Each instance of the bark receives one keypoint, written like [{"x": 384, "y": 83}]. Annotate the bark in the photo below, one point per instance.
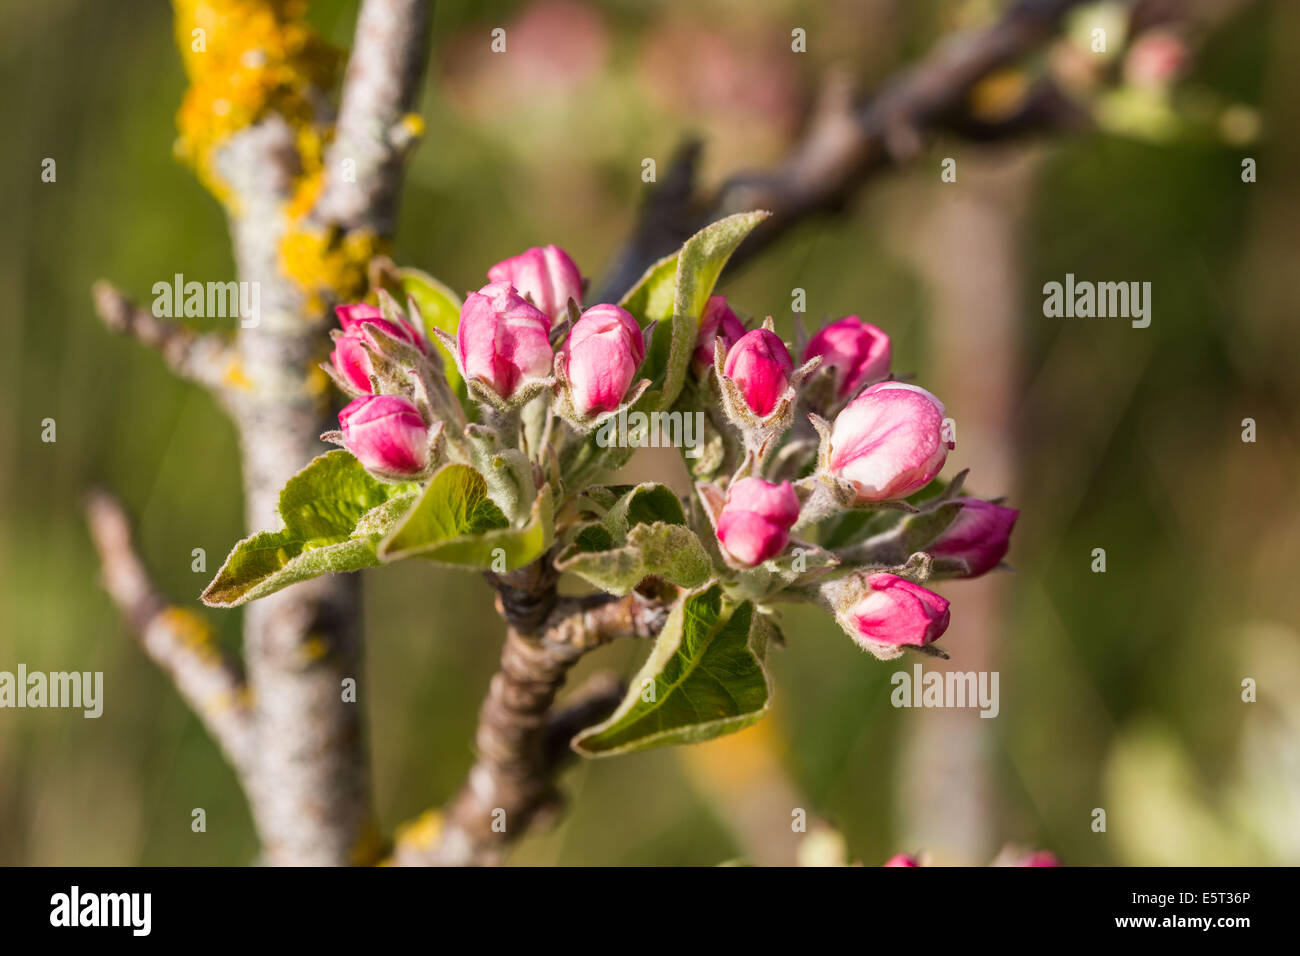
[
  {"x": 845, "y": 143},
  {"x": 521, "y": 741},
  {"x": 306, "y": 773}
]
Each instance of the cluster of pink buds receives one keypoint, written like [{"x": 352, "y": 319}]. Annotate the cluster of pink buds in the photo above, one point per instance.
[
  {"x": 887, "y": 440},
  {"x": 389, "y": 426},
  {"x": 797, "y": 448},
  {"x": 505, "y": 342}
]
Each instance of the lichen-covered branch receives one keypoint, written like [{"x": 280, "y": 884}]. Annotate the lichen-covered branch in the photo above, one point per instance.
[
  {"x": 177, "y": 640},
  {"x": 258, "y": 147}
]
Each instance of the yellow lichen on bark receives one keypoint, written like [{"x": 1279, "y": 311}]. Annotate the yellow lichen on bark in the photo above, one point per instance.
[
  {"x": 193, "y": 631},
  {"x": 328, "y": 264},
  {"x": 246, "y": 59}
]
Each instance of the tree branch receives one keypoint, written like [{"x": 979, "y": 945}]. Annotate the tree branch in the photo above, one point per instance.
[
  {"x": 375, "y": 128},
  {"x": 178, "y": 641},
  {"x": 522, "y": 742},
  {"x": 309, "y": 786},
  {"x": 206, "y": 360},
  {"x": 845, "y": 143}
]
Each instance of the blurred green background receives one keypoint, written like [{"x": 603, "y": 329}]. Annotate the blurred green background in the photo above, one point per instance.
[{"x": 1119, "y": 691}]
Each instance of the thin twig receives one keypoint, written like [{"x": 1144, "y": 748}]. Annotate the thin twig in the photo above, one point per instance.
[
  {"x": 375, "y": 128},
  {"x": 177, "y": 640},
  {"x": 844, "y": 143},
  {"x": 205, "y": 359}
]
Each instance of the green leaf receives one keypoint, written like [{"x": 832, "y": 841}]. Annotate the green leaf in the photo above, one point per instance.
[
  {"x": 670, "y": 551},
  {"x": 334, "y": 514},
  {"x": 643, "y": 532},
  {"x": 699, "y": 264},
  {"x": 705, "y": 678},
  {"x": 651, "y": 299},
  {"x": 441, "y": 310},
  {"x": 456, "y": 523},
  {"x": 644, "y": 504}
]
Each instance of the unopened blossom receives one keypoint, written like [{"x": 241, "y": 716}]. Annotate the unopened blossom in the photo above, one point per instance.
[
  {"x": 717, "y": 322},
  {"x": 503, "y": 340},
  {"x": 979, "y": 535},
  {"x": 888, "y": 442},
  {"x": 857, "y": 350},
  {"x": 351, "y": 356},
  {"x": 755, "y": 521},
  {"x": 546, "y": 276},
  {"x": 760, "y": 365},
  {"x": 386, "y": 434},
  {"x": 601, "y": 356},
  {"x": 894, "y": 612}
]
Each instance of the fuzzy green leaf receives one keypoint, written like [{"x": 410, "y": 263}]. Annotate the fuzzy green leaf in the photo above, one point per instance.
[
  {"x": 643, "y": 532},
  {"x": 440, "y": 308},
  {"x": 699, "y": 264},
  {"x": 456, "y": 523},
  {"x": 334, "y": 514},
  {"x": 644, "y": 504},
  {"x": 705, "y": 678},
  {"x": 669, "y": 551},
  {"x": 651, "y": 299}
]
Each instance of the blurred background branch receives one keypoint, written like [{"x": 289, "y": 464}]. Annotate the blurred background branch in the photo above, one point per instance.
[
  {"x": 845, "y": 142},
  {"x": 308, "y": 785}
]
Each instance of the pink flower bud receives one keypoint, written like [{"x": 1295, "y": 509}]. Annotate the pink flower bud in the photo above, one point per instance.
[
  {"x": 354, "y": 319},
  {"x": 718, "y": 321},
  {"x": 386, "y": 434},
  {"x": 896, "y": 613},
  {"x": 601, "y": 357},
  {"x": 502, "y": 339},
  {"x": 1157, "y": 58},
  {"x": 352, "y": 361},
  {"x": 754, "y": 524},
  {"x": 979, "y": 535},
  {"x": 901, "y": 859},
  {"x": 760, "y": 364},
  {"x": 350, "y": 357},
  {"x": 857, "y": 350},
  {"x": 889, "y": 441},
  {"x": 546, "y": 276},
  {"x": 1041, "y": 858}
]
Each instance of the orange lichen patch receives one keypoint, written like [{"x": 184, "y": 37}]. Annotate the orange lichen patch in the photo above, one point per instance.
[
  {"x": 999, "y": 95},
  {"x": 234, "y": 377},
  {"x": 193, "y": 631},
  {"x": 314, "y": 648},
  {"x": 245, "y": 59},
  {"x": 328, "y": 266},
  {"x": 421, "y": 833}
]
